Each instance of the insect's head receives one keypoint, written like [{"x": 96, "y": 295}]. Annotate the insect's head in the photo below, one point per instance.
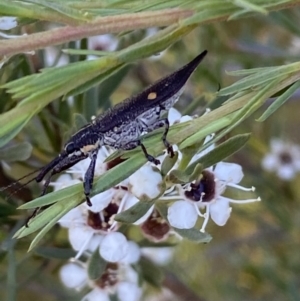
[{"x": 83, "y": 142}]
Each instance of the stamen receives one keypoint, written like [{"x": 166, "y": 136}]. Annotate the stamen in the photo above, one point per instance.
[
  {"x": 121, "y": 206},
  {"x": 83, "y": 248},
  {"x": 240, "y": 187},
  {"x": 245, "y": 201},
  {"x": 206, "y": 219},
  {"x": 167, "y": 198},
  {"x": 4, "y": 35},
  {"x": 198, "y": 211}
]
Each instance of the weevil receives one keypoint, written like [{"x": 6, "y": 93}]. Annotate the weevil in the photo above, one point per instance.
[{"x": 122, "y": 126}]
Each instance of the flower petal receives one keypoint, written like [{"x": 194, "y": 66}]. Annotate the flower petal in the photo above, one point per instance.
[
  {"x": 80, "y": 236},
  {"x": 220, "y": 211},
  {"x": 101, "y": 200},
  {"x": 73, "y": 275},
  {"x": 96, "y": 294},
  {"x": 133, "y": 254},
  {"x": 114, "y": 247},
  {"x": 174, "y": 116},
  {"x": 182, "y": 215},
  {"x": 146, "y": 182},
  {"x": 229, "y": 172},
  {"x": 127, "y": 291}
]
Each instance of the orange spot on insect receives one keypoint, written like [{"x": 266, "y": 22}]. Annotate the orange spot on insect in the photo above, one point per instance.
[
  {"x": 90, "y": 147},
  {"x": 152, "y": 95}
]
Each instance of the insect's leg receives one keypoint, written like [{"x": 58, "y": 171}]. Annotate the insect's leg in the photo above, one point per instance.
[
  {"x": 62, "y": 165},
  {"x": 164, "y": 138},
  {"x": 89, "y": 178},
  {"x": 134, "y": 144},
  {"x": 148, "y": 156},
  {"x": 160, "y": 123}
]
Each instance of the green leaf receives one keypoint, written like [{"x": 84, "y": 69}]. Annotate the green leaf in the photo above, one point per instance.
[
  {"x": 259, "y": 78},
  {"x": 249, "y": 6},
  {"x": 168, "y": 164},
  {"x": 96, "y": 265},
  {"x": 213, "y": 127},
  {"x": 151, "y": 272},
  {"x": 13, "y": 132},
  {"x": 221, "y": 152},
  {"x": 94, "y": 81},
  {"x": 181, "y": 177},
  {"x": 49, "y": 216},
  {"x": 194, "y": 235},
  {"x": 134, "y": 213},
  {"x": 62, "y": 195},
  {"x": 79, "y": 121},
  {"x": 279, "y": 101},
  {"x": 18, "y": 152},
  {"x": 55, "y": 253}
]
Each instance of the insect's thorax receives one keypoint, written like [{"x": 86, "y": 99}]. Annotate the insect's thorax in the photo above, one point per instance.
[{"x": 128, "y": 131}]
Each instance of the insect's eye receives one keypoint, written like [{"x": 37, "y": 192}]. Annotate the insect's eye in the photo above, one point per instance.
[{"x": 70, "y": 148}]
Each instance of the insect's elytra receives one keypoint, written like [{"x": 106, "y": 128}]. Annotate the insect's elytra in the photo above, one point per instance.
[{"x": 122, "y": 126}]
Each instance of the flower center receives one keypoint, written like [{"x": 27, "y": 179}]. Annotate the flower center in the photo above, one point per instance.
[
  {"x": 109, "y": 277},
  {"x": 203, "y": 190},
  {"x": 102, "y": 221},
  {"x": 285, "y": 158},
  {"x": 155, "y": 227}
]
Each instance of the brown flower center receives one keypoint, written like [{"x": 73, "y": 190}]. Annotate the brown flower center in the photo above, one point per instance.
[{"x": 203, "y": 190}]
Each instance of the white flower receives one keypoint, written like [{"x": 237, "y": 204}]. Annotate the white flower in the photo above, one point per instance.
[
  {"x": 133, "y": 254},
  {"x": 118, "y": 279},
  {"x": 79, "y": 169},
  {"x": 159, "y": 255},
  {"x": 104, "y": 42},
  {"x": 181, "y": 215},
  {"x": 174, "y": 116},
  {"x": 206, "y": 193},
  {"x": 54, "y": 57},
  {"x": 114, "y": 247},
  {"x": 284, "y": 159},
  {"x": 7, "y": 23},
  {"x": 73, "y": 275},
  {"x": 146, "y": 183},
  {"x": 96, "y": 294}
]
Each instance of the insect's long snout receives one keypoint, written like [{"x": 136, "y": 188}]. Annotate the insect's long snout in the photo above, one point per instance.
[{"x": 48, "y": 167}]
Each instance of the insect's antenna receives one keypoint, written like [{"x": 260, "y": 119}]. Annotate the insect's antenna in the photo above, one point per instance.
[{"x": 20, "y": 186}]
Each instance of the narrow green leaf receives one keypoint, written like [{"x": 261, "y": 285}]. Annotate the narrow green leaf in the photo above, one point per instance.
[
  {"x": 18, "y": 152},
  {"x": 51, "y": 222},
  {"x": 64, "y": 9},
  {"x": 134, "y": 213},
  {"x": 279, "y": 101},
  {"x": 111, "y": 83},
  {"x": 259, "y": 78},
  {"x": 181, "y": 177},
  {"x": 4, "y": 139},
  {"x": 55, "y": 253},
  {"x": 79, "y": 121},
  {"x": 221, "y": 152},
  {"x": 94, "y": 81},
  {"x": 151, "y": 273},
  {"x": 96, "y": 265},
  {"x": 194, "y": 235},
  {"x": 250, "y": 6},
  {"x": 62, "y": 195},
  {"x": 168, "y": 164},
  {"x": 206, "y": 130}
]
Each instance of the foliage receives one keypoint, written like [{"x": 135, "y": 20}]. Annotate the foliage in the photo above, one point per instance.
[{"x": 40, "y": 104}]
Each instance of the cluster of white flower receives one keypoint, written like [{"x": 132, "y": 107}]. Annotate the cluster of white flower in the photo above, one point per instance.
[
  {"x": 284, "y": 159},
  {"x": 93, "y": 229}
]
